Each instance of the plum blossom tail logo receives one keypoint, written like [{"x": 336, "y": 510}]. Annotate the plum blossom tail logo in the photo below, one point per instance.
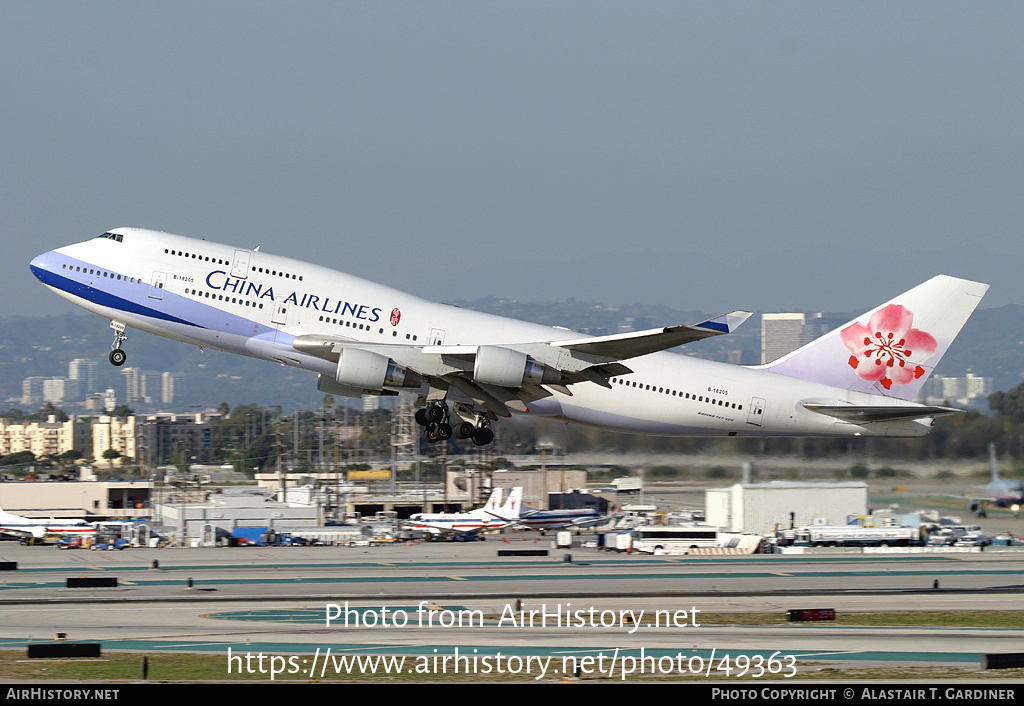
[
  {"x": 396, "y": 316},
  {"x": 889, "y": 348}
]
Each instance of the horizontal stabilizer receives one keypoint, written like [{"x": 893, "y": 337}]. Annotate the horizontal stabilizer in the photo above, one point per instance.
[{"x": 867, "y": 414}]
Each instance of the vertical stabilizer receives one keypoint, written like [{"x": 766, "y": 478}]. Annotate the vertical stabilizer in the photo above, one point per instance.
[
  {"x": 513, "y": 505},
  {"x": 890, "y": 350},
  {"x": 492, "y": 503}
]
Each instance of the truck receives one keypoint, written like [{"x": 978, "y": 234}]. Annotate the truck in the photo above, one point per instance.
[
  {"x": 628, "y": 484},
  {"x": 850, "y": 536}
]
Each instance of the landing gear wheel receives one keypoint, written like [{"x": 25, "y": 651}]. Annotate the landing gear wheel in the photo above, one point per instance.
[
  {"x": 443, "y": 431},
  {"x": 421, "y": 417},
  {"x": 436, "y": 413},
  {"x": 483, "y": 436},
  {"x": 118, "y": 357},
  {"x": 464, "y": 430},
  {"x": 431, "y": 434}
]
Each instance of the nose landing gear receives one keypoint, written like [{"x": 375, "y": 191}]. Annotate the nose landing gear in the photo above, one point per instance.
[{"x": 118, "y": 356}]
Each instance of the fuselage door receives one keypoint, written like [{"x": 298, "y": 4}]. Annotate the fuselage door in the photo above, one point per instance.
[
  {"x": 280, "y": 315},
  {"x": 436, "y": 337},
  {"x": 156, "y": 287},
  {"x": 240, "y": 264},
  {"x": 756, "y": 413}
]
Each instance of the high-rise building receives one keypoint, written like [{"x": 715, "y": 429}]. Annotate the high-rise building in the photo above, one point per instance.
[
  {"x": 784, "y": 333},
  {"x": 84, "y": 371},
  {"x": 167, "y": 388},
  {"x": 32, "y": 391},
  {"x": 59, "y": 390},
  {"x": 818, "y": 324},
  {"x": 109, "y": 400},
  {"x": 780, "y": 334},
  {"x": 133, "y": 392}
]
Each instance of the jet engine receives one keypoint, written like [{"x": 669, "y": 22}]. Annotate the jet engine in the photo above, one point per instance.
[
  {"x": 367, "y": 370},
  {"x": 504, "y": 367}
]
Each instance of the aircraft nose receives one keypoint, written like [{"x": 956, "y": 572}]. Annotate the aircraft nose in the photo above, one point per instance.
[{"x": 39, "y": 265}]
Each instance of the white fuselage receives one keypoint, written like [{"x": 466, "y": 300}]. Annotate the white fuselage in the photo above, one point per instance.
[
  {"x": 255, "y": 304},
  {"x": 19, "y": 526}
]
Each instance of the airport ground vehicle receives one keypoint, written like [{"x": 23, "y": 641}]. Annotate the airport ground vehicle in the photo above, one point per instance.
[
  {"x": 628, "y": 484},
  {"x": 850, "y": 536},
  {"x": 662, "y": 539},
  {"x": 674, "y": 538},
  {"x": 973, "y": 540},
  {"x": 371, "y": 542},
  {"x": 1006, "y": 539}
]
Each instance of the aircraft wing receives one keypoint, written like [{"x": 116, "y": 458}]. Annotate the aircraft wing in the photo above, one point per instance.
[
  {"x": 20, "y": 533},
  {"x": 508, "y": 520},
  {"x": 506, "y": 377},
  {"x": 867, "y": 414},
  {"x": 581, "y": 522},
  {"x": 589, "y": 521},
  {"x": 446, "y": 532},
  {"x": 624, "y": 346}
]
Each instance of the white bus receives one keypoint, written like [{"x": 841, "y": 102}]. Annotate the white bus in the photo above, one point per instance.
[{"x": 674, "y": 539}]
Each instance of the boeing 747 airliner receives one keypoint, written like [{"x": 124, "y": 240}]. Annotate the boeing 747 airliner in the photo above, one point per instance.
[{"x": 470, "y": 368}]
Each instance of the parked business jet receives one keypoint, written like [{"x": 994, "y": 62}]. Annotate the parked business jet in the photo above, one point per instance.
[
  {"x": 28, "y": 528},
  {"x": 471, "y": 368},
  {"x": 490, "y": 516}
]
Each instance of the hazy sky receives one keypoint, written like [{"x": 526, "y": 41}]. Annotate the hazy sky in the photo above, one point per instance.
[{"x": 708, "y": 156}]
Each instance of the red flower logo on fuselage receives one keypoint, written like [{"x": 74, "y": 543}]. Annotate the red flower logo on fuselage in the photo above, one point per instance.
[
  {"x": 888, "y": 349},
  {"x": 396, "y": 316}
]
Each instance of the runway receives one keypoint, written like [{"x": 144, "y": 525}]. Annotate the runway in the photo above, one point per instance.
[{"x": 432, "y": 599}]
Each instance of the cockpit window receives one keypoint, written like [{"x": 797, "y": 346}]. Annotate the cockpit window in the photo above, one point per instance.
[{"x": 112, "y": 236}]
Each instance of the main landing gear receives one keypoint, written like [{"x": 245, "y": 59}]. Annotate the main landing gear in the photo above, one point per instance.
[
  {"x": 435, "y": 419},
  {"x": 117, "y": 356}
]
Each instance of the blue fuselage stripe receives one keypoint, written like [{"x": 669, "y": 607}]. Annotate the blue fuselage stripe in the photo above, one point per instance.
[{"x": 104, "y": 298}]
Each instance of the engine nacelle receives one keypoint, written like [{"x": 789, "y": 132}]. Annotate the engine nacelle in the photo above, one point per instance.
[
  {"x": 504, "y": 367},
  {"x": 367, "y": 370}
]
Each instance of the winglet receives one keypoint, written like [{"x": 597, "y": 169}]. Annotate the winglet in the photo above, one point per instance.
[{"x": 726, "y": 323}]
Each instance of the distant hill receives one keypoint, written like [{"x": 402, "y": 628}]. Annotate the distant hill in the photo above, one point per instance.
[{"x": 991, "y": 344}]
